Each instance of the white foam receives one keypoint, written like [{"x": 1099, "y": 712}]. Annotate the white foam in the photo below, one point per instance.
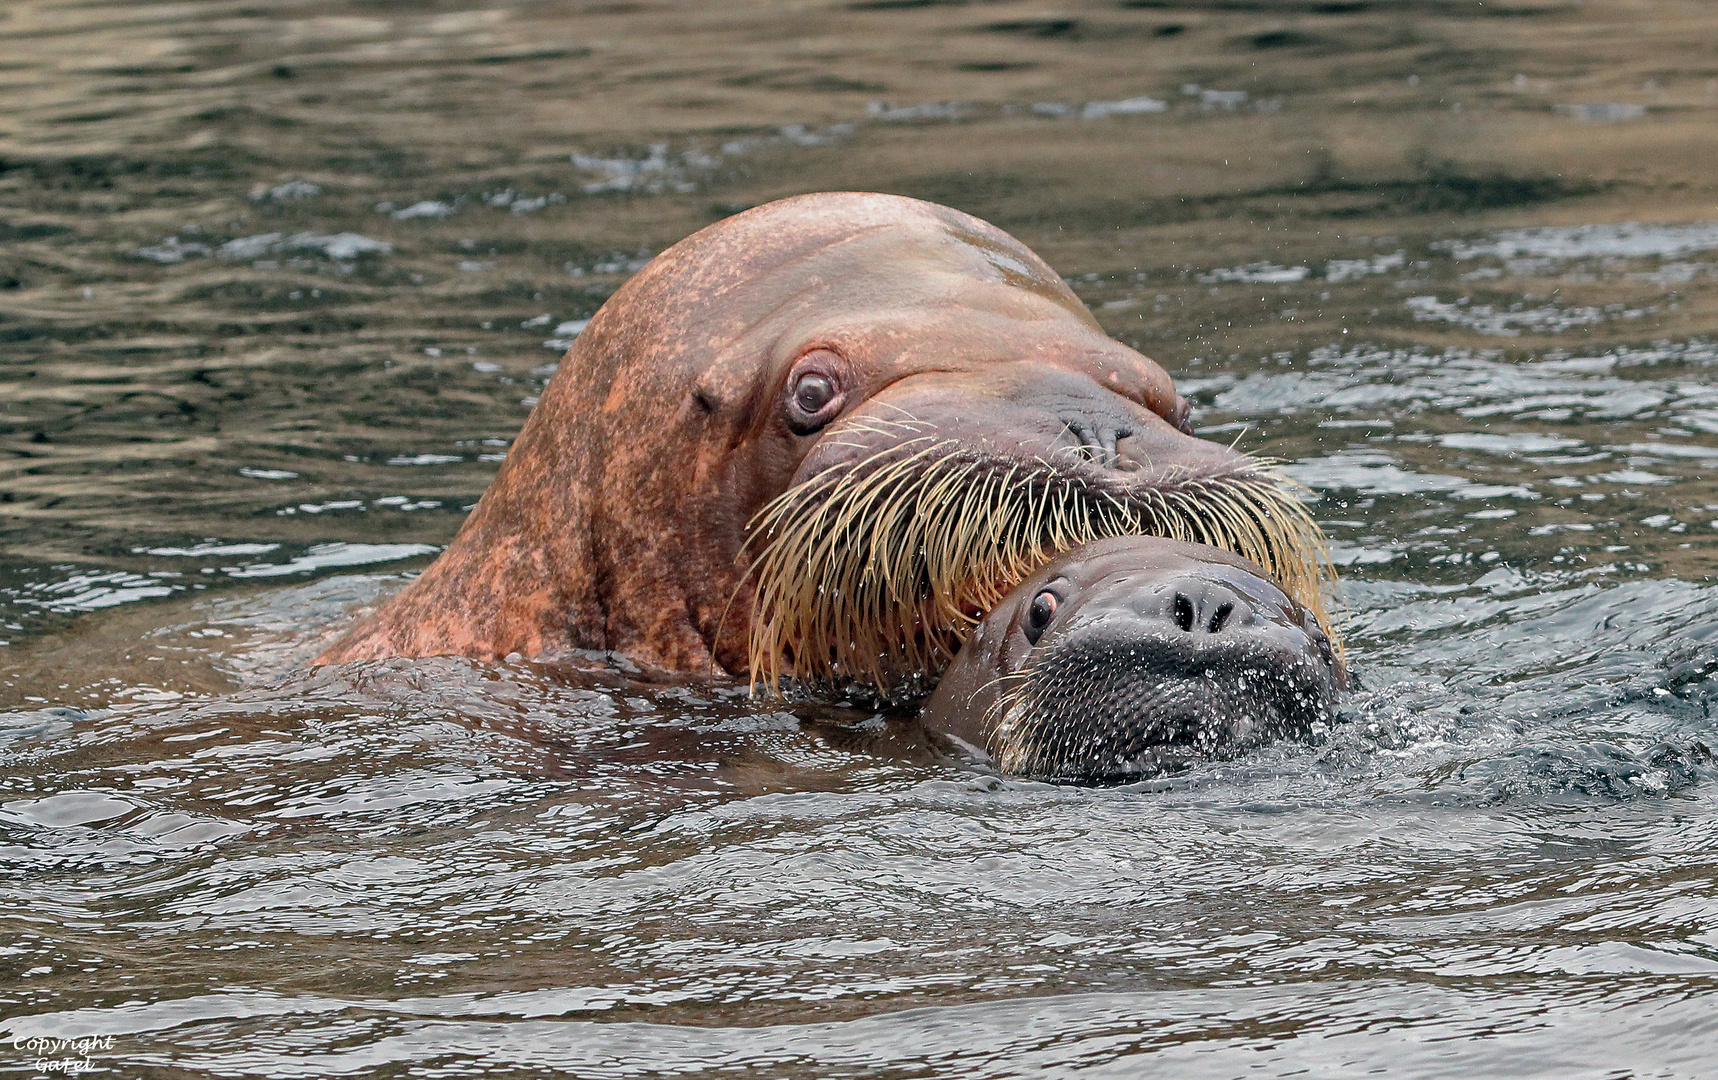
[{"x": 1625, "y": 240}]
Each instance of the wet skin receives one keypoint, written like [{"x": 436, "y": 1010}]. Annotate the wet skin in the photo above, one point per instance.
[
  {"x": 770, "y": 348},
  {"x": 1133, "y": 656}
]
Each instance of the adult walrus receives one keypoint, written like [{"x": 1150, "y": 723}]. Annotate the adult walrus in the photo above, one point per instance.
[
  {"x": 820, "y": 438},
  {"x": 1136, "y": 655}
]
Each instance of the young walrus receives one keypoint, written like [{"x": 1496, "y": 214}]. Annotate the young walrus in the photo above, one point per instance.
[{"x": 1132, "y": 656}]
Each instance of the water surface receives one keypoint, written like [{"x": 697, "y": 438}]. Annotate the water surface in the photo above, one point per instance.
[{"x": 280, "y": 281}]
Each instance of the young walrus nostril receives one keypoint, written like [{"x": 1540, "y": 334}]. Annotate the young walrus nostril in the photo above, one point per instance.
[
  {"x": 1220, "y": 618},
  {"x": 1209, "y": 607},
  {"x": 1133, "y": 656}
]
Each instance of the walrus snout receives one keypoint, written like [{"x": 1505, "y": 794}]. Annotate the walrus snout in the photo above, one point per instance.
[
  {"x": 1136, "y": 656},
  {"x": 1205, "y": 608},
  {"x": 1130, "y": 700}
]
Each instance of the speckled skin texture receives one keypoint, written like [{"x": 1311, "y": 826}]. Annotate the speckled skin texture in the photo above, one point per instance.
[{"x": 619, "y": 517}]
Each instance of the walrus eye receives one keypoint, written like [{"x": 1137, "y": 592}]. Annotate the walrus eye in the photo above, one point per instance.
[
  {"x": 1038, "y": 616},
  {"x": 814, "y": 403},
  {"x": 813, "y": 393}
]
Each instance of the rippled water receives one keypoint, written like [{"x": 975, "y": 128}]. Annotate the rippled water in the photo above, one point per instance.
[{"x": 265, "y": 331}]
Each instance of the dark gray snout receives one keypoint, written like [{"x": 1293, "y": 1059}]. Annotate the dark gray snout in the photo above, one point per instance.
[
  {"x": 1134, "y": 656},
  {"x": 1154, "y": 685}
]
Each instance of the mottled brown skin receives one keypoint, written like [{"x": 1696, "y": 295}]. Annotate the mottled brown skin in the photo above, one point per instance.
[
  {"x": 619, "y": 518},
  {"x": 1134, "y": 655}
]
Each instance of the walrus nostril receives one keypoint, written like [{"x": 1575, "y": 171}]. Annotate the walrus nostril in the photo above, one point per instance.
[
  {"x": 1204, "y": 607},
  {"x": 1130, "y": 455},
  {"x": 1182, "y": 612},
  {"x": 1093, "y": 441},
  {"x": 1220, "y": 616}
]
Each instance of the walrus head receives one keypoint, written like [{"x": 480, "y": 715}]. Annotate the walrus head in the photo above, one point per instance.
[
  {"x": 1133, "y": 656},
  {"x": 820, "y": 438}
]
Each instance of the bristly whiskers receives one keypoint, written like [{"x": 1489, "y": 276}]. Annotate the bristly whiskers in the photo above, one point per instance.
[{"x": 870, "y": 575}]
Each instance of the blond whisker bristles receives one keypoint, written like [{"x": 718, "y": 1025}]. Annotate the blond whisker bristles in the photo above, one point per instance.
[{"x": 871, "y": 575}]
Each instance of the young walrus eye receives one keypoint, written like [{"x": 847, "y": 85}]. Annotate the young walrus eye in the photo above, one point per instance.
[
  {"x": 813, "y": 401},
  {"x": 1038, "y": 616}
]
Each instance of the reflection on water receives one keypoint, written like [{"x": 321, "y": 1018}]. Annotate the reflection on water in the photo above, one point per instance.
[{"x": 278, "y": 283}]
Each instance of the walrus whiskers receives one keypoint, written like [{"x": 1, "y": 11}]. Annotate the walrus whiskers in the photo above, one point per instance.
[
  {"x": 873, "y": 574},
  {"x": 1019, "y": 747}
]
